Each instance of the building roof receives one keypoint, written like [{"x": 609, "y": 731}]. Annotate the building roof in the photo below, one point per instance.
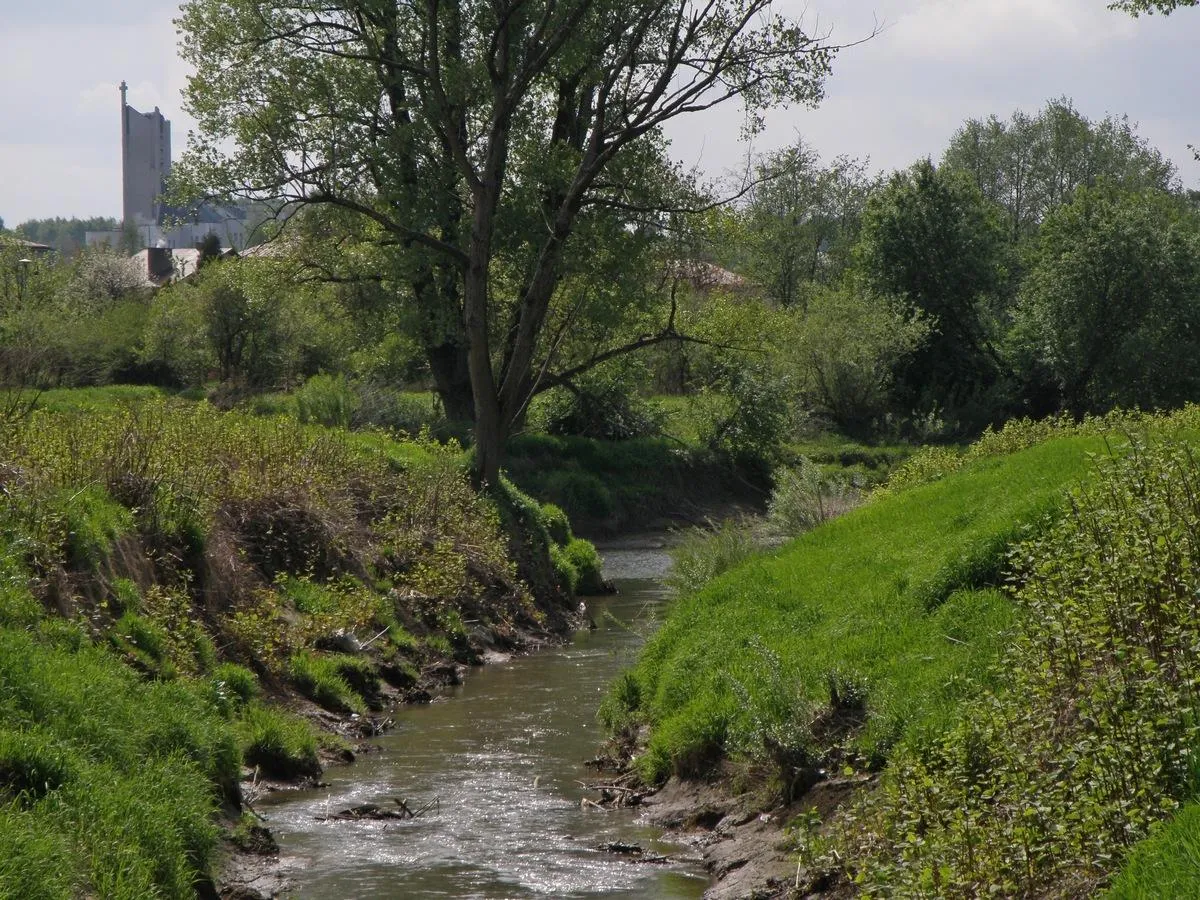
[
  {"x": 31, "y": 246},
  {"x": 163, "y": 265},
  {"x": 705, "y": 276}
]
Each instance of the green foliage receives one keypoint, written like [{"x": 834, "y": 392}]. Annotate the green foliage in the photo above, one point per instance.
[
  {"x": 32, "y": 765},
  {"x": 804, "y": 497},
  {"x": 144, "y": 643},
  {"x": 747, "y": 413},
  {"x": 603, "y": 405},
  {"x": 931, "y": 239},
  {"x": 799, "y": 225},
  {"x": 65, "y": 235},
  {"x": 325, "y": 400},
  {"x": 587, "y": 564},
  {"x": 321, "y": 679},
  {"x": 1029, "y": 165},
  {"x": 1089, "y": 734},
  {"x": 701, "y": 554},
  {"x": 115, "y": 778},
  {"x": 1166, "y": 864},
  {"x": 845, "y": 351},
  {"x": 558, "y": 526},
  {"x": 565, "y": 573},
  {"x": 93, "y": 522},
  {"x": 1166, "y": 7},
  {"x": 233, "y": 686},
  {"x": 278, "y": 744},
  {"x": 1110, "y": 311},
  {"x": 850, "y": 601}
]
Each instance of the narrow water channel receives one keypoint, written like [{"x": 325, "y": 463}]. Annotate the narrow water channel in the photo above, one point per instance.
[{"x": 503, "y": 757}]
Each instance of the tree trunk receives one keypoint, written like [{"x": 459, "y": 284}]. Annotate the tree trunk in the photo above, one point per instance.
[
  {"x": 489, "y": 424},
  {"x": 452, "y": 377}
]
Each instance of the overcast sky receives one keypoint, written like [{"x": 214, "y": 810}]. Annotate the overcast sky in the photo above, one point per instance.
[{"x": 894, "y": 99}]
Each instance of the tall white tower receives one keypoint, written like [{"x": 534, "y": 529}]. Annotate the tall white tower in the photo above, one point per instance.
[{"x": 145, "y": 162}]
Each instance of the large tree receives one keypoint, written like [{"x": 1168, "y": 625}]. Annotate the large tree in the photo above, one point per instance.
[
  {"x": 931, "y": 238},
  {"x": 1030, "y": 165},
  {"x": 1111, "y": 310},
  {"x": 480, "y": 137},
  {"x": 800, "y": 220}
]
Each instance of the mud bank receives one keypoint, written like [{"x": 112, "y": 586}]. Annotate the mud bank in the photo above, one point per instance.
[{"x": 743, "y": 840}]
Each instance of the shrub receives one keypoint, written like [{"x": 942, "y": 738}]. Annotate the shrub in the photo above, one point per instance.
[
  {"x": 327, "y": 400},
  {"x": 93, "y": 522},
  {"x": 603, "y": 406},
  {"x": 1092, "y": 721},
  {"x": 233, "y": 686},
  {"x": 558, "y": 526},
  {"x": 380, "y": 406},
  {"x": 587, "y": 564},
  {"x": 581, "y": 493},
  {"x": 144, "y": 643},
  {"x": 704, "y": 553},
  {"x": 565, "y": 573},
  {"x": 803, "y": 498}
]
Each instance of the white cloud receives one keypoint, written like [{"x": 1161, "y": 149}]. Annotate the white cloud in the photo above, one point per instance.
[{"x": 1000, "y": 32}]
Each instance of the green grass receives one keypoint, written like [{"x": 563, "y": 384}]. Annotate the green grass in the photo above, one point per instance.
[
  {"x": 322, "y": 679},
  {"x": 892, "y": 603},
  {"x": 1167, "y": 864},
  {"x": 617, "y": 485},
  {"x": 109, "y": 785},
  {"x": 277, "y": 744},
  {"x": 99, "y": 398}
]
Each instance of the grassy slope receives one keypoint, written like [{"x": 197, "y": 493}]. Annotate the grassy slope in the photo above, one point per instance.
[
  {"x": 139, "y": 535},
  {"x": 623, "y": 485},
  {"x": 1165, "y": 865},
  {"x": 872, "y": 601}
]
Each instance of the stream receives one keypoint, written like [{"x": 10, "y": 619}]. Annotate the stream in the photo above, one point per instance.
[{"x": 502, "y": 756}]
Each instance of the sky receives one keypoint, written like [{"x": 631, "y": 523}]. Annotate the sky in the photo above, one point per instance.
[{"x": 893, "y": 99}]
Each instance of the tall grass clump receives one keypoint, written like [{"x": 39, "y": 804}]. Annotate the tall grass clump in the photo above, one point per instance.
[
  {"x": 115, "y": 779},
  {"x": 701, "y": 554},
  {"x": 1089, "y": 733},
  {"x": 804, "y": 497}
]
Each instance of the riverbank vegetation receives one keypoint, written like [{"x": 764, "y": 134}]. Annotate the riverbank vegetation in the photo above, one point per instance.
[
  {"x": 1004, "y": 633},
  {"x": 177, "y": 584},
  {"x": 299, "y": 480}
]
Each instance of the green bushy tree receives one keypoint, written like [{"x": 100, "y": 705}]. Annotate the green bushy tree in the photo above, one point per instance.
[
  {"x": 931, "y": 238},
  {"x": 1110, "y": 313}
]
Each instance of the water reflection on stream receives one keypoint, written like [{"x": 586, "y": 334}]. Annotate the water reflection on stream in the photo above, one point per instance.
[{"x": 479, "y": 752}]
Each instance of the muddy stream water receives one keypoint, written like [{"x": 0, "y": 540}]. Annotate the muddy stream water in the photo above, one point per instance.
[{"x": 503, "y": 755}]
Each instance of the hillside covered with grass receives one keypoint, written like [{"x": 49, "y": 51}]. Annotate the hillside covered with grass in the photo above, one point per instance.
[
  {"x": 182, "y": 590},
  {"x": 1005, "y": 634}
]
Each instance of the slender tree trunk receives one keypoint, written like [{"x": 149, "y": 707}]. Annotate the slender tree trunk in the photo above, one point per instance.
[{"x": 489, "y": 430}]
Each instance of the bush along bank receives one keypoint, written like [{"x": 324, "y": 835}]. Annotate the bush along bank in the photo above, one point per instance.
[
  {"x": 999, "y": 649},
  {"x": 614, "y": 487},
  {"x": 184, "y": 592}
]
